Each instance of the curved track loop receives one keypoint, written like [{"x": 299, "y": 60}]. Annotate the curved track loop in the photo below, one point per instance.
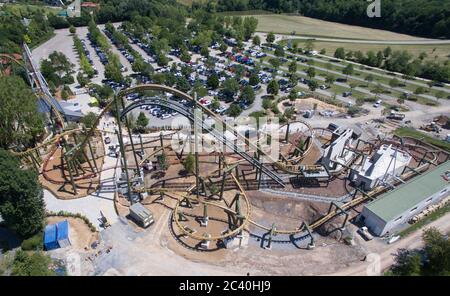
[{"x": 311, "y": 134}]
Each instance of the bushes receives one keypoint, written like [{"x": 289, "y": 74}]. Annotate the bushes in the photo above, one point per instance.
[
  {"x": 33, "y": 243},
  {"x": 77, "y": 215}
]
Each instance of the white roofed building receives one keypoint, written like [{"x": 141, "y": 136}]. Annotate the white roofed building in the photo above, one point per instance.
[{"x": 387, "y": 163}]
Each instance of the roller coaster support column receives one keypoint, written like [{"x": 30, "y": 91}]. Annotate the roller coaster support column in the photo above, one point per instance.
[
  {"x": 220, "y": 163},
  {"x": 286, "y": 138},
  {"x": 122, "y": 148},
  {"x": 161, "y": 143},
  {"x": 92, "y": 155},
  {"x": 85, "y": 156},
  {"x": 127, "y": 124},
  {"x": 311, "y": 244},
  {"x": 34, "y": 162},
  {"x": 341, "y": 211},
  {"x": 204, "y": 221},
  {"x": 237, "y": 209},
  {"x": 271, "y": 233},
  {"x": 197, "y": 113},
  {"x": 423, "y": 159},
  {"x": 69, "y": 169},
  {"x": 142, "y": 145}
]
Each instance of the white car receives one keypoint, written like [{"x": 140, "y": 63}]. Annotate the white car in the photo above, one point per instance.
[
  {"x": 165, "y": 116},
  {"x": 221, "y": 109}
]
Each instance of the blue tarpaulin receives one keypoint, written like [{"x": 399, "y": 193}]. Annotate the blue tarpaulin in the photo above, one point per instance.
[{"x": 56, "y": 235}]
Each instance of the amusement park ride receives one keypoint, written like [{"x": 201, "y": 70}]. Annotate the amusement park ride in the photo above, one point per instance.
[{"x": 195, "y": 203}]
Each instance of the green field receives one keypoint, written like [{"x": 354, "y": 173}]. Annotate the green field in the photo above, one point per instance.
[
  {"x": 410, "y": 132},
  {"x": 286, "y": 24},
  {"x": 435, "y": 52},
  {"x": 18, "y": 8}
]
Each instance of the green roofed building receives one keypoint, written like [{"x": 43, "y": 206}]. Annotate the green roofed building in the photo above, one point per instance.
[{"x": 394, "y": 208}]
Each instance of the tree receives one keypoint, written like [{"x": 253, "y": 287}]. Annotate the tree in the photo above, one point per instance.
[
  {"x": 215, "y": 104},
  {"x": 309, "y": 45},
  {"x": 394, "y": 82},
  {"x": 20, "y": 122},
  {"x": 266, "y": 103},
  {"x": 387, "y": 52},
  {"x": 253, "y": 79},
  {"x": 189, "y": 163},
  {"x": 369, "y": 78},
  {"x": 256, "y": 40},
  {"x": 330, "y": 79},
  {"x": 340, "y": 53},
  {"x": 204, "y": 51},
  {"x": 113, "y": 73},
  {"x": 213, "y": 81},
  {"x": 270, "y": 38},
  {"x": 72, "y": 29},
  {"x": 293, "y": 67},
  {"x": 185, "y": 56},
  {"x": 36, "y": 264},
  {"x": 141, "y": 121},
  {"x": 21, "y": 197},
  {"x": 407, "y": 263},
  {"x": 313, "y": 85},
  {"x": 249, "y": 25},
  {"x": 273, "y": 87},
  {"x": 223, "y": 47},
  {"x": 82, "y": 80},
  {"x": 437, "y": 249},
  {"x": 162, "y": 161},
  {"x": 292, "y": 95},
  {"x": 352, "y": 85},
  {"x": 293, "y": 79},
  {"x": 432, "y": 260},
  {"x": 311, "y": 72},
  {"x": 279, "y": 51},
  {"x": 248, "y": 94},
  {"x": 377, "y": 90},
  {"x": 419, "y": 90},
  {"x": 183, "y": 84},
  {"x": 57, "y": 69},
  {"x": 439, "y": 95},
  {"x": 234, "y": 110},
  {"x": 275, "y": 62},
  {"x": 348, "y": 70},
  {"x": 230, "y": 87},
  {"x": 89, "y": 119}
]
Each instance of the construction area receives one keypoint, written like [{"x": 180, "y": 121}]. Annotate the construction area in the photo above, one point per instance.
[
  {"x": 238, "y": 195},
  {"x": 241, "y": 196}
]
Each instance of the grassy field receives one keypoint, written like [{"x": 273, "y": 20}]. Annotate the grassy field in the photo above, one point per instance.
[
  {"x": 426, "y": 220},
  {"x": 440, "y": 52},
  {"x": 286, "y": 24},
  {"x": 409, "y": 132},
  {"x": 16, "y": 8}
]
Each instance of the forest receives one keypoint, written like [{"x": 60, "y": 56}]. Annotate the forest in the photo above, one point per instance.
[{"x": 427, "y": 18}]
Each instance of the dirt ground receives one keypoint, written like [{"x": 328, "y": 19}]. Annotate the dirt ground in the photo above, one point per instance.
[
  {"x": 81, "y": 237},
  {"x": 58, "y": 181},
  {"x": 308, "y": 104}
]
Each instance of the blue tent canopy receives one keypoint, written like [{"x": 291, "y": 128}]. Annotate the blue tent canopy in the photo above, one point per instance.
[{"x": 56, "y": 235}]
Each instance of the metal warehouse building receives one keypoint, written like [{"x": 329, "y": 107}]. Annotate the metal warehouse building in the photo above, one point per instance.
[{"x": 396, "y": 207}]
